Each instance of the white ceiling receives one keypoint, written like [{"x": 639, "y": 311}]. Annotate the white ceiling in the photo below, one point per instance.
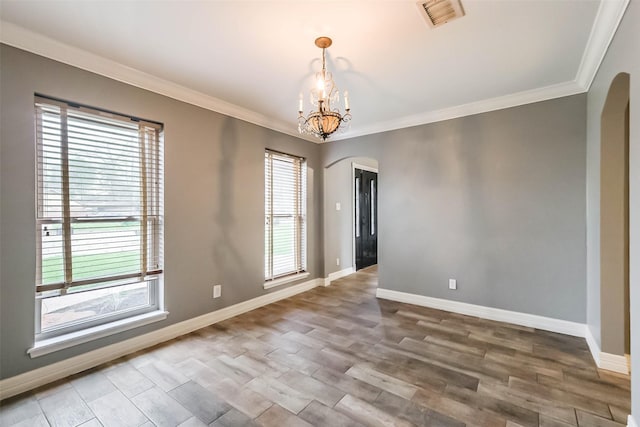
[{"x": 251, "y": 59}]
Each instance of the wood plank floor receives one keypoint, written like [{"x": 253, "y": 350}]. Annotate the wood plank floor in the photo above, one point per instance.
[{"x": 338, "y": 356}]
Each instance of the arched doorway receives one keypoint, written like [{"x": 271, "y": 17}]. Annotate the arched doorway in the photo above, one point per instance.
[
  {"x": 340, "y": 195},
  {"x": 614, "y": 219}
]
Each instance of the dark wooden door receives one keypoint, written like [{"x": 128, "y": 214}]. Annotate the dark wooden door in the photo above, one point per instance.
[{"x": 366, "y": 221}]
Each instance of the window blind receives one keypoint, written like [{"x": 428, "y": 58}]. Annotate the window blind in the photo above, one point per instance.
[
  {"x": 285, "y": 214},
  {"x": 99, "y": 198}
]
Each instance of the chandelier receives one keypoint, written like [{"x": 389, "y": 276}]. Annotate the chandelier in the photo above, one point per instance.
[{"x": 323, "y": 120}]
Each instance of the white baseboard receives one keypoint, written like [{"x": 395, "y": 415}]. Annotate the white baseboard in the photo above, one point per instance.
[
  {"x": 338, "y": 275},
  {"x": 594, "y": 348},
  {"x": 608, "y": 361},
  {"x": 41, "y": 376},
  {"x": 631, "y": 422},
  {"x": 523, "y": 319},
  {"x": 613, "y": 362}
]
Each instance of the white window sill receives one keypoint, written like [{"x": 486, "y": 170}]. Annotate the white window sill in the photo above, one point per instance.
[
  {"x": 42, "y": 347},
  {"x": 286, "y": 279}
]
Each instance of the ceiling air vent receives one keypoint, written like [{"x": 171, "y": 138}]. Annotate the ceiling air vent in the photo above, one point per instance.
[{"x": 439, "y": 12}]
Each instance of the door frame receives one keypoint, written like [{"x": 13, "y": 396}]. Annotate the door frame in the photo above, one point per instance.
[{"x": 355, "y": 166}]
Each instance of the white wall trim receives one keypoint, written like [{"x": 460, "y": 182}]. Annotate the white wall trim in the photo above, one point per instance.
[
  {"x": 614, "y": 362},
  {"x": 608, "y": 361},
  {"x": 286, "y": 279},
  {"x": 605, "y": 24},
  {"x": 631, "y": 422},
  {"x": 594, "y": 348},
  {"x": 41, "y": 376},
  {"x": 22, "y": 38},
  {"x": 604, "y": 27},
  {"x": 492, "y": 104},
  {"x": 523, "y": 319},
  {"x": 355, "y": 165},
  {"x": 338, "y": 275},
  {"x": 50, "y": 345}
]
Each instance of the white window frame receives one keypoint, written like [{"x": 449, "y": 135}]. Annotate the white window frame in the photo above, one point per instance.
[
  {"x": 299, "y": 216},
  {"x": 151, "y": 229}
]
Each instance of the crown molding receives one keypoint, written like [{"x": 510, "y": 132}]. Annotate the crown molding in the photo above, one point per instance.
[
  {"x": 605, "y": 25},
  {"x": 608, "y": 17},
  {"x": 21, "y": 38},
  {"x": 486, "y": 105}
]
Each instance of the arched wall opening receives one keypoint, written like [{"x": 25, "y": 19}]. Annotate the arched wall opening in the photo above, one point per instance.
[
  {"x": 339, "y": 214},
  {"x": 614, "y": 219}
]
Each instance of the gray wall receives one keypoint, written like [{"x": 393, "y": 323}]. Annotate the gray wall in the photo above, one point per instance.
[
  {"x": 495, "y": 200},
  {"x": 214, "y": 199},
  {"x": 338, "y": 225},
  {"x": 622, "y": 56}
]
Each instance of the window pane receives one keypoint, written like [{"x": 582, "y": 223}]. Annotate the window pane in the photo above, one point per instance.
[
  {"x": 102, "y": 249},
  {"x": 50, "y": 164},
  {"x": 78, "y": 306},
  {"x": 285, "y": 215},
  {"x": 284, "y": 259},
  {"x": 284, "y": 187},
  {"x": 104, "y": 167},
  {"x": 52, "y": 266}
]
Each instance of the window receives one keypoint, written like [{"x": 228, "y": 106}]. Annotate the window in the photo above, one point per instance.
[
  {"x": 99, "y": 217},
  {"x": 285, "y": 179}
]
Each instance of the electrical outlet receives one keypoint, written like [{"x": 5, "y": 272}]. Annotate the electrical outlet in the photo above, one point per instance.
[
  {"x": 337, "y": 261},
  {"x": 217, "y": 291},
  {"x": 453, "y": 284}
]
